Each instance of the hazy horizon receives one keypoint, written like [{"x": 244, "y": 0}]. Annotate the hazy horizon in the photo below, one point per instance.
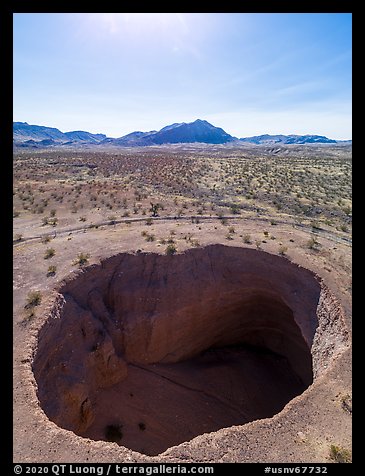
[{"x": 250, "y": 74}]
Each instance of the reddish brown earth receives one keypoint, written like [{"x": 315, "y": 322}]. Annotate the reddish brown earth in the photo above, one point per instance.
[{"x": 164, "y": 348}]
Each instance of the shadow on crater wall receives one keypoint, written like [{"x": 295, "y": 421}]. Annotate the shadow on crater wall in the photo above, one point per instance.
[{"x": 150, "y": 351}]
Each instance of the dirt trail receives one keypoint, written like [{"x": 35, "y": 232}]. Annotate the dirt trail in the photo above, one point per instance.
[{"x": 83, "y": 228}]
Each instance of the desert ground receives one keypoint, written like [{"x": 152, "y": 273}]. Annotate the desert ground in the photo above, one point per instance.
[{"x": 76, "y": 208}]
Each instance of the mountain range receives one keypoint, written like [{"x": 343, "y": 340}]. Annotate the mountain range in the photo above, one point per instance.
[
  {"x": 290, "y": 139},
  {"x": 26, "y": 135}
]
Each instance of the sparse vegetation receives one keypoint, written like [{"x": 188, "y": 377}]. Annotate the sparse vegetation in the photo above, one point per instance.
[
  {"x": 171, "y": 249},
  {"x": 313, "y": 244},
  {"x": 82, "y": 259},
  {"x": 154, "y": 209},
  {"x": 50, "y": 252},
  {"x": 307, "y": 184},
  {"x": 235, "y": 209},
  {"x": 289, "y": 195},
  {"x": 346, "y": 403},
  {"x": 282, "y": 250},
  {"x": 148, "y": 236},
  {"x": 46, "y": 239},
  {"x": 222, "y": 219},
  {"x": 315, "y": 225},
  {"x": 52, "y": 221},
  {"x": 34, "y": 298},
  {"x": 29, "y": 316},
  {"x": 340, "y": 454},
  {"x": 247, "y": 238},
  {"x": 51, "y": 270},
  {"x": 112, "y": 219}
]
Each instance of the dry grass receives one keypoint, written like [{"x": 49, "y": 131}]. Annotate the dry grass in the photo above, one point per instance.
[
  {"x": 311, "y": 184},
  {"x": 338, "y": 454}
]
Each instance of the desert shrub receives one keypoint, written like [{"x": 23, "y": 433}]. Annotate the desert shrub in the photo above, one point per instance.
[
  {"x": 346, "y": 403},
  {"x": 50, "y": 252},
  {"x": 223, "y": 220},
  {"x": 282, "y": 250},
  {"x": 46, "y": 239},
  {"x": 235, "y": 209},
  {"x": 315, "y": 225},
  {"x": 51, "y": 270},
  {"x": 82, "y": 259},
  {"x": 53, "y": 221},
  {"x": 34, "y": 298},
  {"x": 340, "y": 454},
  {"x": 313, "y": 244},
  {"x": 112, "y": 219},
  {"x": 154, "y": 208},
  {"x": 347, "y": 210},
  {"x": 150, "y": 237},
  {"x": 171, "y": 249},
  {"x": 247, "y": 238}
]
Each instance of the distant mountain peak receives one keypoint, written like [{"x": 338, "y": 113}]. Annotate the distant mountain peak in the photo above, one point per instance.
[{"x": 178, "y": 132}]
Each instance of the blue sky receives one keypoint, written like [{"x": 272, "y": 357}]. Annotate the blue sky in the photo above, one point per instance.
[{"x": 250, "y": 74}]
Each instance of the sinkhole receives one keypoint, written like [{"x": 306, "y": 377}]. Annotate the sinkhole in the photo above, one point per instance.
[{"x": 149, "y": 351}]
